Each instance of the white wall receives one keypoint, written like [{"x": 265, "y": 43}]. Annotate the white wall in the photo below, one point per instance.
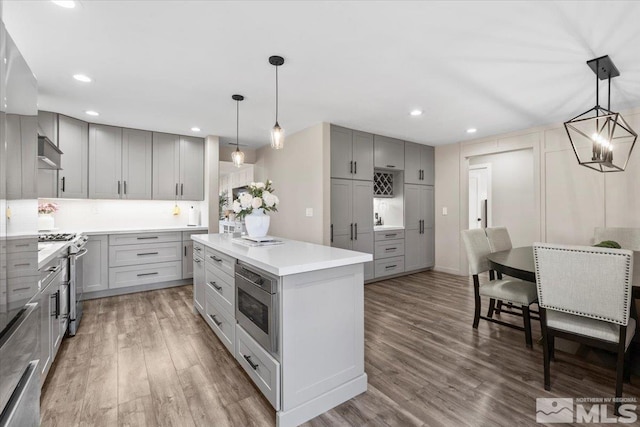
[
  {"x": 512, "y": 193},
  {"x": 569, "y": 200},
  {"x": 301, "y": 178}
]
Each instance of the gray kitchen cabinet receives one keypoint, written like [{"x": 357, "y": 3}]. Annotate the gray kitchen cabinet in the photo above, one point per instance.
[
  {"x": 95, "y": 275},
  {"x": 191, "y": 168},
  {"x": 178, "y": 167},
  {"x": 388, "y": 153},
  {"x": 47, "y": 315},
  {"x": 73, "y": 141},
  {"x": 119, "y": 163},
  {"x": 22, "y": 152},
  {"x": 14, "y": 157},
  {"x": 351, "y": 154},
  {"x": 105, "y": 162},
  {"x": 187, "y": 259},
  {"x": 48, "y": 125},
  {"x": 199, "y": 277},
  {"x": 419, "y": 164},
  {"x": 137, "y": 149},
  {"x": 166, "y": 166},
  {"x": 352, "y": 217},
  {"x": 47, "y": 178},
  {"x": 419, "y": 224}
]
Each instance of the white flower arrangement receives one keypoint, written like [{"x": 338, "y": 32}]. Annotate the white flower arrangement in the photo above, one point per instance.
[{"x": 259, "y": 195}]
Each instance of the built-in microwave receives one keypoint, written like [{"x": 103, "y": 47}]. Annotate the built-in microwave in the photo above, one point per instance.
[{"x": 257, "y": 305}]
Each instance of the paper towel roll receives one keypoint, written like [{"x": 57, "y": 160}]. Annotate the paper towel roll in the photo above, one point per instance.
[{"x": 193, "y": 216}]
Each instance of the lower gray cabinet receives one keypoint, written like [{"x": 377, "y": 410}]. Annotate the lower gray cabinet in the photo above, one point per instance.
[
  {"x": 95, "y": 275},
  {"x": 187, "y": 260},
  {"x": 419, "y": 223},
  {"x": 199, "y": 278}
]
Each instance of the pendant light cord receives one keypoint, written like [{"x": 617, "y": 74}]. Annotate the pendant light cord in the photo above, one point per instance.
[
  {"x": 276, "y": 94},
  {"x": 237, "y": 125}
]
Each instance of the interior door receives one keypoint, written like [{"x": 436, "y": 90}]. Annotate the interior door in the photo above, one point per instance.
[{"x": 341, "y": 213}]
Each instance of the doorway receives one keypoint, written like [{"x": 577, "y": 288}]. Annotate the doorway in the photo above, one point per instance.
[{"x": 480, "y": 196}]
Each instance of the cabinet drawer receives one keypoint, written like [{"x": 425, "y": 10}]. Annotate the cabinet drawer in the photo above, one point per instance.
[
  {"x": 119, "y": 256},
  {"x": 137, "y": 238},
  {"x": 263, "y": 369},
  {"x": 222, "y": 287},
  {"x": 389, "y": 235},
  {"x": 389, "y": 266},
  {"x": 22, "y": 245},
  {"x": 222, "y": 323},
  {"x": 389, "y": 248},
  {"x": 198, "y": 250},
  {"x": 22, "y": 264},
  {"x": 133, "y": 275},
  {"x": 186, "y": 235},
  {"x": 221, "y": 261}
]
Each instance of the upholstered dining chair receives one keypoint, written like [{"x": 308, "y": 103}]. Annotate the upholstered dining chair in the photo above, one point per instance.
[
  {"x": 584, "y": 294},
  {"x": 499, "y": 240},
  {"x": 510, "y": 290}
]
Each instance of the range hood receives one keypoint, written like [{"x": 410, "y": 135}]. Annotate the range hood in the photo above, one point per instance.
[{"x": 48, "y": 154}]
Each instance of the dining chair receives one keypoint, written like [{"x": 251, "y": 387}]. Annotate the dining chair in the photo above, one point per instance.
[
  {"x": 584, "y": 295},
  {"x": 628, "y": 238},
  {"x": 499, "y": 240},
  {"x": 510, "y": 290}
]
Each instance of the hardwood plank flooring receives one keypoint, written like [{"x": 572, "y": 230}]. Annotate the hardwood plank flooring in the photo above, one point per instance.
[{"x": 146, "y": 360}]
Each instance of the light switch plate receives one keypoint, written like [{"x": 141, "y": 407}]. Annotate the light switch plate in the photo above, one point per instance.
[
  {"x": 309, "y": 212},
  {"x": 444, "y": 211}
]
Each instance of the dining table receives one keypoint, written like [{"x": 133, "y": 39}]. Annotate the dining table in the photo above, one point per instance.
[{"x": 519, "y": 263}]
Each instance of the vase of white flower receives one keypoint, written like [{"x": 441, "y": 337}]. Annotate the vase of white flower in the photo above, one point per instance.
[
  {"x": 252, "y": 205},
  {"x": 45, "y": 216}
]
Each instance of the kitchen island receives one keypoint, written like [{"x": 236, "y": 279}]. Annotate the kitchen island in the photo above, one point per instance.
[{"x": 301, "y": 339}]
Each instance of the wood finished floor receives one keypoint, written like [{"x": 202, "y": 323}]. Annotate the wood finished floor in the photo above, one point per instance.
[{"x": 146, "y": 360}]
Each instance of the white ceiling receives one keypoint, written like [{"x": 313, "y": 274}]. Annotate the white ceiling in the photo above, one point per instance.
[{"x": 163, "y": 65}]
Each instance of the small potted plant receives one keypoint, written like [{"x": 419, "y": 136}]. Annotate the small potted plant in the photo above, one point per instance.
[
  {"x": 45, "y": 215},
  {"x": 252, "y": 205}
]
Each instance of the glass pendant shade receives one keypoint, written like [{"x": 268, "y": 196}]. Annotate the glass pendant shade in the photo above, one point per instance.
[
  {"x": 601, "y": 139},
  {"x": 277, "y": 137},
  {"x": 237, "y": 157}
]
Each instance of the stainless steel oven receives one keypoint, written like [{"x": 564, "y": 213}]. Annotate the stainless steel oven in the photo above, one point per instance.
[
  {"x": 257, "y": 305},
  {"x": 77, "y": 250}
]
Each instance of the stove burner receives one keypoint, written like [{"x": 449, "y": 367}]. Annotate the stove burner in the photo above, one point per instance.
[{"x": 56, "y": 237}]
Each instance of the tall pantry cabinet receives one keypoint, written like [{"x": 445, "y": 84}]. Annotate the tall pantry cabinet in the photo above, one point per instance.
[{"x": 352, "y": 192}]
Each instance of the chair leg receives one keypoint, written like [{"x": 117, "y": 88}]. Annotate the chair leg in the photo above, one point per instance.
[
  {"x": 627, "y": 367},
  {"x": 492, "y": 307},
  {"x": 545, "y": 350},
  {"x": 620, "y": 366},
  {"x": 476, "y": 292},
  {"x": 499, "y": 307},
  {"x": 527, "y": 326},
  {"x": 552, "y": 347}
]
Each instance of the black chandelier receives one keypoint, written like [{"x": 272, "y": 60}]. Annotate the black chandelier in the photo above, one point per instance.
[{"x": 601, "y": 139}]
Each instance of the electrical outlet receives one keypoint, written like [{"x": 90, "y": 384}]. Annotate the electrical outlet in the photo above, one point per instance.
[
  {"x": 444, "y": 211},
  {"x": 309, "y": 212}
]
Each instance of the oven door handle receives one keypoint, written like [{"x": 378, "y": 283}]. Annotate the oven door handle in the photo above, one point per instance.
[
  {"x": 82, "y": 253},
  {"x": 248, "y": 280}
]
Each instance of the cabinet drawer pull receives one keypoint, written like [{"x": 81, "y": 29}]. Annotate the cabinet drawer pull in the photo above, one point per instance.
[
  {"x": 197, "y": 249},
  {"x": 147, "y": 238},
  {"x": 182, "y": 189},
  {"x": 391, "y": 166},
  {"x": 215, "y": 320},
  {"x": 215, "y": 258},
  {"x": 22, "y": 245},
  {"x": 54, "y": 269},
  {"x": 21, "y": 289},
  {"x": 147, "y": 274},
  {"x": 125, "y": 187},
  {"x": 196, "y": 260},
  {"x": 248, "y": 359},
  {"x": 118, "y": 187},
  {"x": 388, "y": 267},
  {"x": 24, "y": 264},
  {"x": 218, "y": 288},
  {"x": 147, "y": 253},
  {"x": 391, "y": 235},
  {"x": 390, "y": 249}
]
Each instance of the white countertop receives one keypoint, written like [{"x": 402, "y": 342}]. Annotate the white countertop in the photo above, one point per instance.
[
  {"x": 50, "y": 251},
  {"x": 291, "y": 257},
  {"x": 387, "y": 227},
  {"x": 106, "y": 230}
]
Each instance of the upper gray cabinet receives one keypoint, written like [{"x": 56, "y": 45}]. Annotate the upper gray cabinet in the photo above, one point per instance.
[
  {"x": 22, "y": 157},
  {"x": 48, "y": 178},
  {"x": 178, "y": 167},
  {"x": 419, "y": 164},
  {"x": 48, "y": 125},
  {"x": 119, "y": 163},
  {"x": 351, "y": 154},
  {"x": 14, "y": 157},
  {"x": 73, "y": 141},
  {"x": 388, "y": 153}
]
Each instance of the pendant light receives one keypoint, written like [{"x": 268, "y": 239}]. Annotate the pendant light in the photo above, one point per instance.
[
  {"x": 277, "y": 133},
  {"x": 237, "y": 156},
  {"x": 601, "y": 139}
]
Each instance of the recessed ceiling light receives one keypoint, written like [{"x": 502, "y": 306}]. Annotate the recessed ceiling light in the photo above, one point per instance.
[
  {"x": 416, "y": 112},
  {"x": 471, "y": 130},
  {"x": 82, "y": 78},
  {"x": 92, "y": 113},
  {"x": 68, "y": 4},
  {"x": 195, "y": 129}
]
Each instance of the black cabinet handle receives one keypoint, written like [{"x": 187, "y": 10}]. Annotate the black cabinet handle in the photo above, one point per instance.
[
  {"x": 390, "y": 249},
  {"x": 196, "y": 260},
  {"x": 331, "y": 233},
  {"x": 58, "y": 303},
  {"x": 147, "y": 238},
  {"x": 355, "y": 233},
  {"x": 388, "y": 267},
  {"x": 215, "y": 258},
  {"x": 351, "y": 231},
  {"x": 391, "y": 235},
  {"x": 125, "y": 187},
  {"x": 176, "y": 188},
  {"x": 64, "y": 179},
  {"x": 147, "y": 274},
  {"x": 218, "y": 288},
  {"x": 248, "y": 359},
  {"x": 391, "y": 166},
  {"x": 351, "y": 166},
  {"x": 182, "y": 189},
  {"x": 148, "y": 253},
  {"x": 215, "y": 320},
  {"x": 185, "y": 251},
  {"x": 118, "y": 187},
  {"x": 355, "y": 167}
]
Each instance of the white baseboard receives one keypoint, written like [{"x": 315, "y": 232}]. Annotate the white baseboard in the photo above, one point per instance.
[
  {"x": 449, "y": 270},
  {"x": 134, "y": 289}
]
